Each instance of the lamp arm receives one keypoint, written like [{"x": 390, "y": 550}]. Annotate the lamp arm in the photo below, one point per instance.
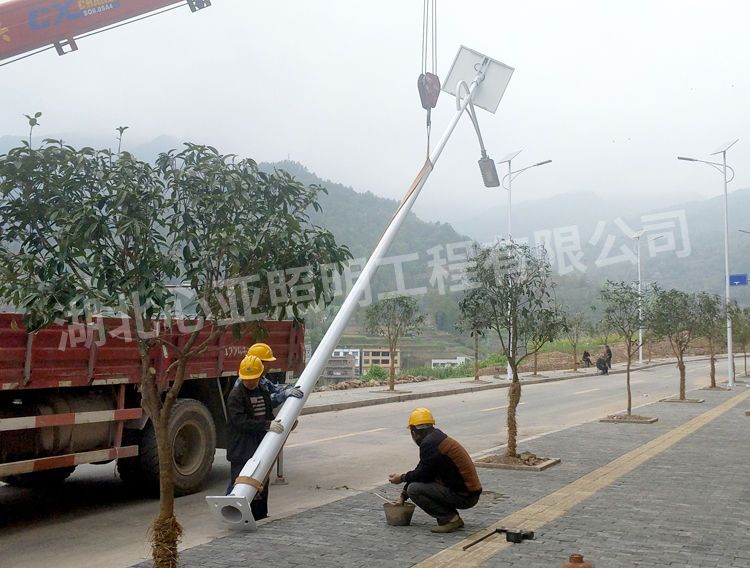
[{"x": 472, "y": 114}]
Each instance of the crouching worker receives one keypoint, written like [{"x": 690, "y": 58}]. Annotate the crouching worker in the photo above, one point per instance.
[
  {"x": 249, "y": 417},
  {"x": 445, "y": 478}
]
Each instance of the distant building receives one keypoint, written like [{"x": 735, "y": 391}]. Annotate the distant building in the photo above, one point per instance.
[
  {"x": 355, "y": 353},
  {"x": 380, "y": 357},
  {"x": 448, "y": 362},
  {"x": 338, "y": 369}
]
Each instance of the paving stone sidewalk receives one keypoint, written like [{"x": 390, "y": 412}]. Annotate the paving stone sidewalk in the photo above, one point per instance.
[{"x": 687, "y": 507}]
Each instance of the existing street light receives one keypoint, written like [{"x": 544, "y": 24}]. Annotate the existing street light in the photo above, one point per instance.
[
  {"x": 722, "y": 167},
  {"x": 637, "y": 248},
  {"x": 510, "y": 176}
]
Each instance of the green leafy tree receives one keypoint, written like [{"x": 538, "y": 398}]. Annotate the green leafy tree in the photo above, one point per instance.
[
  {"x": 515, "y": 285},
  {"x": 712, "y": 320},
  {"x": 393, "y": 318},
  {"x": 622, "y": 312},
  {"x": 672, "y": 315},
  {"x": 86, "y": 231},
  {"x": 474, "y": 318},
  {"x": 578, "y": 325}
]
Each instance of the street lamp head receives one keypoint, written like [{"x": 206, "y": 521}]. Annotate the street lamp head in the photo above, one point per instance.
[
  {"x": 686, "y": 159},
  {"x": 489, "y": 172},
  {"x": 542, "y": 163}
]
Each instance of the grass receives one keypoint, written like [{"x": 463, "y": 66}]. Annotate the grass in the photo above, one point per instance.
[{"x": 463, "y": 370}]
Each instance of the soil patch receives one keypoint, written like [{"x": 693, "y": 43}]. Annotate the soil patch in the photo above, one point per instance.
[
  {"x": 524, "y": 461},
  {"x": 629, "y": 419}
]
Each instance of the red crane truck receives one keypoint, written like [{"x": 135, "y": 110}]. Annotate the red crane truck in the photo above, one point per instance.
[
  {"x": 69, "y": 395},
  {"x": 26, "y": 25},
  {"x": 67, "y": 398}
]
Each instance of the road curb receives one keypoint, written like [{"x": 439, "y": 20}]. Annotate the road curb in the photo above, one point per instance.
[{"x": 464, "y": 390}]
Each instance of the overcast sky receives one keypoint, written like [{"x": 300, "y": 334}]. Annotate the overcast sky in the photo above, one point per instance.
[{"x": 612, "y": 92}]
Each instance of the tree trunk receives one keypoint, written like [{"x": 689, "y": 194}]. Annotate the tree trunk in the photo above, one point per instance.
[
  {"x": 476, "y": 356},
  {"x": 627, "y": 382},
  {"x": 575, "y": 357},
  {"x": 713, "y": 364},
  {"x": 392, "y": 381},
  {"x": 535, "y": 363},
  {"x": 746, "y": 363},
  {"x": 165, "y": 531},
  {"x": 514, "y": 397},
  {"x": 681, "y": 367}
]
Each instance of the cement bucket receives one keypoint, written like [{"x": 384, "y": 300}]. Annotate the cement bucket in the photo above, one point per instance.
[{"x": 398, "y": 515}]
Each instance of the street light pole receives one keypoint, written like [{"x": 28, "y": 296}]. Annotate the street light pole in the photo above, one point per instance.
[
  {"x": 511, "y": 175},
  {"x": 640, "y": 295},
  {"x": 722, "y": 167}
]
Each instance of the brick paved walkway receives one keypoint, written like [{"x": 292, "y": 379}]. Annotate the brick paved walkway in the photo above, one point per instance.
[{"x": 686, "y": 506}]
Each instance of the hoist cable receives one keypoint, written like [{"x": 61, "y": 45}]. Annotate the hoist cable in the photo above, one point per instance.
[
  {"x": 423, "y": 68},
  {"x": 434, "y": 37}
]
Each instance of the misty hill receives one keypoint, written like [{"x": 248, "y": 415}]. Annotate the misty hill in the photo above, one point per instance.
[
  {"x": 595, "y": 231},
  {"x": 589, "y": 233},
  {"x": 359, "y": 219},
  {"x": 146, "y": 151}
]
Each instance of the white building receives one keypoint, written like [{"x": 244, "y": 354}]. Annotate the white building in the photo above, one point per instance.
[{"x": 448, "y": 362}]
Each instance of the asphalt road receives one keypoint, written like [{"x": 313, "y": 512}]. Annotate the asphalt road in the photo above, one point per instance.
[{"x": 93, "y": 521}]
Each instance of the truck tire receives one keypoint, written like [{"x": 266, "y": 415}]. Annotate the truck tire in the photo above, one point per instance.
[
  {"x": 39, "y": 478},
  {"x": 193, "y": 436}
]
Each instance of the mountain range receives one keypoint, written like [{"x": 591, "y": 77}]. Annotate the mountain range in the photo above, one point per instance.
[{"x": 588, "y": 238}]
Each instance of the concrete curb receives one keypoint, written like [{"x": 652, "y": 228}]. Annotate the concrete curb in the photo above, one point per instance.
[{"x": 464, "y": 390}]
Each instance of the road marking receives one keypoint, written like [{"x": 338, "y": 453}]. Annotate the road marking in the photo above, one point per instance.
[
  {"x": 556, "y": 504},
  {"x": 500, "y": 407},
  {"x": 584, "y": 392},
  {"x": 335, "y": 438},
  {"x": 636, "y": 382}
]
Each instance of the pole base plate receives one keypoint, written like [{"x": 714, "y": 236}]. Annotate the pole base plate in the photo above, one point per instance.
[{"x": 232, "y": 512}]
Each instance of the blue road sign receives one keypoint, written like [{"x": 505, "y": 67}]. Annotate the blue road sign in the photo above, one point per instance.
[{"x": 738, "y": 279}]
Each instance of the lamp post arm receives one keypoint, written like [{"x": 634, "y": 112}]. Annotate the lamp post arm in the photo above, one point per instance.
[
  {"x": 715, "y": 165},
  {"x": 514, "y": 175}
]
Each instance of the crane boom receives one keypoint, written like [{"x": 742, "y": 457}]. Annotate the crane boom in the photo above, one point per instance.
[{"x": 26, "y": 25}]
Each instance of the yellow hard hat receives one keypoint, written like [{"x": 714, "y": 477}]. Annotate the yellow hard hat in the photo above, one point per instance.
[
  {"x": 261, "y": 351},
  {"x": 251, "y": 368},
  {"x": 420, "y": 416}
]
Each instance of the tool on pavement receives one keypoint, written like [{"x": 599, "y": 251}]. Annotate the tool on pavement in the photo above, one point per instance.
[
  {"x": 511, "y": 535},
  {"x": 383, "y": 498}
]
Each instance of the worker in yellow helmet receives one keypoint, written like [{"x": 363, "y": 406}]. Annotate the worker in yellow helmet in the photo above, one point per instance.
[
  {"x": 445, "y": 479},
  {"x": 279, "y": 393},
  {"x": 249, "y": 417}
]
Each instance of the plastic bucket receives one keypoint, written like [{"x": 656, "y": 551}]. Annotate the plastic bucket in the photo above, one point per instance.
[{"x": 398, "y": 515}]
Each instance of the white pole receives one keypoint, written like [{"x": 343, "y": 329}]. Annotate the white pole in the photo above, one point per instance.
[
  {"x": 730, "y": 353},
  {"x": 508, "y": 370},
  {"x": 233, "y": 511},
  {"x": 640, "y": 314},
  {"x": 510, "y": 183}
]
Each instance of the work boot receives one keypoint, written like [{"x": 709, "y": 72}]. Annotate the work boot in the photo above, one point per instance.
[{"x": 449, "y": 526}]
